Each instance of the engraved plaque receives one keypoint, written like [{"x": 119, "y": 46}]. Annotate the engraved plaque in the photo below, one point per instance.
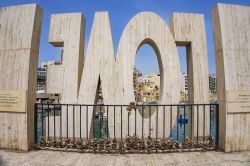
[
  {"x": 13, "y": 100},
  {"x": 238, "y": 101}
]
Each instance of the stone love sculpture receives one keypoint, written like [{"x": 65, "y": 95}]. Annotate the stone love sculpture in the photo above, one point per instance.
[
  {"x": 78, "y": 83},
  {"x": 19, "y": 44}
]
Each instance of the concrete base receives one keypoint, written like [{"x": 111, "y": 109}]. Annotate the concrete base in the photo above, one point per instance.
[{"x": 50, "y": 158}]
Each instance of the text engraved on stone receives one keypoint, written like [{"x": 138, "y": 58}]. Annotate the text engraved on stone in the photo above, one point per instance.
[
  {"x": 12, "y": 100},
  {"x": 238, "y": 101}
]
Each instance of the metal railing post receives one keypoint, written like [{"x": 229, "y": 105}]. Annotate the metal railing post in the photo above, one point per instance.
[
  {"x": 217, "y": 126},
  {"x": 35, "y": 123}
]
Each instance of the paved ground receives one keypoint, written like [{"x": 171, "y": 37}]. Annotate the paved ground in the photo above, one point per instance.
[{"x": 49, "y": 158}]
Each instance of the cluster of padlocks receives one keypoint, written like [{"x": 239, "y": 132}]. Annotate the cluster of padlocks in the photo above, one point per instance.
[{"x": 128, "y": 145}]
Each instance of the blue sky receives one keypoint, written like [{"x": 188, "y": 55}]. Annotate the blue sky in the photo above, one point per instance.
[{"x": 120, "y": 12}]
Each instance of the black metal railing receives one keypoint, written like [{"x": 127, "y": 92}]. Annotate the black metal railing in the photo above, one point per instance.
[{"x": 127, "y": 128}]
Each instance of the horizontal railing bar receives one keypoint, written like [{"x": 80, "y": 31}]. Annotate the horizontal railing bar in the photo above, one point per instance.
[{"x": 127, "y": 105}]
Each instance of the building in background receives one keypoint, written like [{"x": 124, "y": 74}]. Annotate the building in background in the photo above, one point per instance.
[
  {"x": 47, "y": 63},
  {"x": 41, "y": 80},
  {"x": 41, "y": 95},
  {"x": 136, "y": 75},
  {"x": 41, "y": 76},
  {"x": 148, "y": 88},
  {"x": 99, "y": 99},
  {"x": 212, "y": 87},
  {"x": 212, "y": 83},
  {"x": 183, "y": 87}
]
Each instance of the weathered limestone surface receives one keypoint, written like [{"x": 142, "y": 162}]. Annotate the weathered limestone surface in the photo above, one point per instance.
[
  {"x": 19, "y": 46},
  {"x": 148, "y": 28},
  {"x": 231, "y": 28},
  {"x": 116, "y": 75},
  {"x": 98, "y": 66},
  {"x": 67, "y": 31},
  {"x": 189, "y": 30}
]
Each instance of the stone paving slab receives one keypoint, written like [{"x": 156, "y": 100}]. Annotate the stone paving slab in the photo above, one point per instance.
[{"x": 52, "y": 158}]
